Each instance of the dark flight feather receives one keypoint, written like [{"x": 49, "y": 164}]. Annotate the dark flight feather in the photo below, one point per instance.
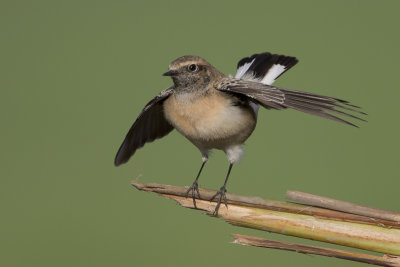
[
  {"x": 272, "y": 97},
  {"x": 151, "y": 124}
]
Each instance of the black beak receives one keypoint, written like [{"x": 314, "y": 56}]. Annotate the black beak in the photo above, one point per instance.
[{"x": 171, "y": 73}]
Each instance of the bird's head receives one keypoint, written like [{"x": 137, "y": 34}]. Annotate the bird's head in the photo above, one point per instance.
[{"x": 191, "y": 73}]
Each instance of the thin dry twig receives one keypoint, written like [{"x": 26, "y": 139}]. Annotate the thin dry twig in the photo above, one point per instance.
[
  {"x": 334, "y": 204},
  {"x": 315, "y": 250}
]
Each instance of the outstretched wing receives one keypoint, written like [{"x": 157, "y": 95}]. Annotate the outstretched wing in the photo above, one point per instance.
[
  {"x": 264, "y": 68},
  {"x": 149, "y": 125},
  {"x": 272, "y": 97}
]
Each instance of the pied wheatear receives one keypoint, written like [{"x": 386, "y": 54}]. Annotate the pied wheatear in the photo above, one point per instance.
[{"x": 214, "y": 111}]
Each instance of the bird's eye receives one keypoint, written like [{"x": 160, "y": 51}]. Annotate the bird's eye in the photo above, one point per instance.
[{"x": 192, "y": 67}]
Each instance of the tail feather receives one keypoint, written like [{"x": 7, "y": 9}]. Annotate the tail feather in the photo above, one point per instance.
[{"x": 264, "y": 68}]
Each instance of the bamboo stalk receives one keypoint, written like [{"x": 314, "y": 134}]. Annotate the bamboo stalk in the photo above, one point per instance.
[
  {"x": 307, "y": 249},
  {"x": 284, "y": 218},
  {"x": 329, "y": 203}
]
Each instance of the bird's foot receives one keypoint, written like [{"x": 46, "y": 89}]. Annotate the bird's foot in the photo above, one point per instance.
[
  {"x": 194, "y": 188},
  {"x": 221, "y": 194}
]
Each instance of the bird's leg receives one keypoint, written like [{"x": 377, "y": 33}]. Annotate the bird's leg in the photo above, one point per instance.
[
  {"x": 194, "y": 188},
  {"x": 222, "y": 192}
]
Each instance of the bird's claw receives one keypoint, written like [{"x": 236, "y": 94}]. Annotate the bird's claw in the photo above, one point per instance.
[
  {"x": 222, "y": 195},
  {"x": 194, "y": 188}
]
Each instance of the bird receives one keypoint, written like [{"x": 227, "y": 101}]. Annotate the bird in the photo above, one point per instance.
[{"x": 216, "y": 111}]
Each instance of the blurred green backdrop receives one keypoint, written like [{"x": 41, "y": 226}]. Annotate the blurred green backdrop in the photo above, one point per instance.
[{"x": 75, "y": 74}]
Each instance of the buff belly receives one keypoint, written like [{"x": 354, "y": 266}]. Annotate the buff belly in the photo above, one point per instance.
[{"x": 210, "y": 121}]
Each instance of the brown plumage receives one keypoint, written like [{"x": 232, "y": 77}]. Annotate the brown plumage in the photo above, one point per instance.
[{"x": 214, "y": 111}]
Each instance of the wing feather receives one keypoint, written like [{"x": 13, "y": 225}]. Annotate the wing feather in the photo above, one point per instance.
[
  {"x": 150, "y": 125},
  {"x": 272, "y": 97}
]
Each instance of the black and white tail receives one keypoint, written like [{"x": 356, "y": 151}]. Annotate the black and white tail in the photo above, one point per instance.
[{"x": 264, "y": 68}]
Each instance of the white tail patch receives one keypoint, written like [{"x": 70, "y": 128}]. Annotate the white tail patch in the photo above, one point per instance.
[
  {"x": 273, "y": 73},
  {"x": 269, "y": 78},
  {"x": 243, "y": 69}
]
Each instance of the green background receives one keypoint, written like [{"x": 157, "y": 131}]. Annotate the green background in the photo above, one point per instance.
[{"x": 75, "y": 74}]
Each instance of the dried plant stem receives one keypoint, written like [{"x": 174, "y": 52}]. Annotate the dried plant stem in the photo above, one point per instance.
[
  {"x": 284, "y": 218},
  {"x": 307, "y": 249},
  {"x": 329, "y": 203},
  {"x": 263, "y": 203}
]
